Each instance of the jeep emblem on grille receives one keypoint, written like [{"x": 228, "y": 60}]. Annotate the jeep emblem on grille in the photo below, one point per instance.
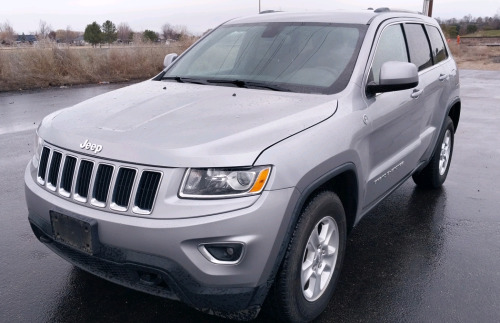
[{"x": 90, "y": 146}]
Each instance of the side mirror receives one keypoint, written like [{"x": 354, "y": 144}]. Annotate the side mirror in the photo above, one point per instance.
[
  {"x": 169, "y": 59},
  {"x": 395, "y": 76}
]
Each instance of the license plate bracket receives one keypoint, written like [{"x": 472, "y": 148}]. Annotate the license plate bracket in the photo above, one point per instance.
[{"x": 75, "y": 232}]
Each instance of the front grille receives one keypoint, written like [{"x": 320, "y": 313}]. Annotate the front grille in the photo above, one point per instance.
[{"x": 93, "y": 182}]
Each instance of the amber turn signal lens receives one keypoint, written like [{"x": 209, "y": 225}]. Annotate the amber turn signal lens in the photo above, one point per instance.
[{"x": 261, "y": 180}]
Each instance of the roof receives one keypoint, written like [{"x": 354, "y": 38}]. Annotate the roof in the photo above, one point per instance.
[{"x": 338, "y": 16}]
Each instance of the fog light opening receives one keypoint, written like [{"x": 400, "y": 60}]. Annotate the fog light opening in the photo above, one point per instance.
[
  {"x": 150, "y": 279},
  {"x": 226, "y": 253}
]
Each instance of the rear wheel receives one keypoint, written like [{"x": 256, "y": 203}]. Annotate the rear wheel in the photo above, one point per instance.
[
  {"x": 312, "y": 264},
  {"x": 434, "y": 174}
]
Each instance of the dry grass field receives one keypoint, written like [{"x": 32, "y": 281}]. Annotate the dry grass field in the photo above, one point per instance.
[
  {"x": 46, "y": 65},
  {"x": 476, "y": 57}
]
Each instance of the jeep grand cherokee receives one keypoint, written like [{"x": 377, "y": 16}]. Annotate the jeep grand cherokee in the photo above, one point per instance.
[{"x": 235, "y": 175}]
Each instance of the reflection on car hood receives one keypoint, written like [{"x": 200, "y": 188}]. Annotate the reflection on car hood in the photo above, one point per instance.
[{"x": 185, "y": 125}]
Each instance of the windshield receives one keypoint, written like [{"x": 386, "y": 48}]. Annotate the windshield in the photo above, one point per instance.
[{"x": 299, "y": 57}]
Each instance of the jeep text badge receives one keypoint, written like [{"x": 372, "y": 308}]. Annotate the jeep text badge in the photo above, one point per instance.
[{"x": 90, "y": 146}]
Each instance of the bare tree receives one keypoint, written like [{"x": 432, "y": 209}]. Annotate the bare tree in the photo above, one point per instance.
[
  {"x": 467, "y": 19},
  {"x": 124, "y": 32},
  {"x": 167, "y": 31},
  {"x": 137, "y": 38},
  {"x": 7, "y": 34},
  {"x": 69, "y": 35},
  {"x": 496, "y": 21},
  {"x": 66, "y": 35},
  {"x": 174, "y": 32},
  {"x": 44, "y": 30},
  {"x": 182, "y": 32}
]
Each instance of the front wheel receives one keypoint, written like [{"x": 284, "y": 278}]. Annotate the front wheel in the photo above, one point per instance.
[
  {"x": 434, "y": 174},
  {"x": 312, "y": 264}
]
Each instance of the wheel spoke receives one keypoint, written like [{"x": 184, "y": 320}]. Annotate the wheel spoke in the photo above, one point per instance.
[
  {"x": 317, "y": 285},
  {"x": 310, "y": 291},
  {"x": 306, "y": 274},
  {"x": 314, "y": 239},
  {"x": 330, "y": 252},
  {"x": 330, "y": 230},
  {"x": 328, "y": 263},
  {"x": 307, "y": 264},
  {"x": 311, "y": 250},
  {"x": 444, "y": 155},
  {"x": 447, "y": 140},
  {"x": 325, "y": 277}
]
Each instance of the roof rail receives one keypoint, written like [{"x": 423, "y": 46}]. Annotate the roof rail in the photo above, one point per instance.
[
  {"x": 268, "y": 11},
  {"x": 386, "y": 9}
]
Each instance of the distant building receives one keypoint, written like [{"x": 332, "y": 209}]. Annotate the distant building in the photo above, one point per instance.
[
  {"x": 78, "y": 41},
  {"x": 26, "y": 39}
]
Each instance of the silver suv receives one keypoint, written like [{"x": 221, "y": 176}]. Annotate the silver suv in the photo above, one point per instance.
[{"x": 235, "y": 175}]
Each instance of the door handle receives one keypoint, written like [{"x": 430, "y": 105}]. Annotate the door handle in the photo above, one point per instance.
[
  {"x": 443, "y": 77},
  {"x": 416, "y": 93}
]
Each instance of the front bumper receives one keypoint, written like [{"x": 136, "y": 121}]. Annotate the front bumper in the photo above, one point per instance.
[{"x": 161, "y": 256}]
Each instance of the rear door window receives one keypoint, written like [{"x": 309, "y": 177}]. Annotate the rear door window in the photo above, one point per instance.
[
  {"x": 420, "y": 52},
  {"x": 438, "y": 48}
]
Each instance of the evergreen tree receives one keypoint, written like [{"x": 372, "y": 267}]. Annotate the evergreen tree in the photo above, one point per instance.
[
  {"x": 93, "y": 34},
  {"x": 150, "y": 35},
  {"x": 109, "y": 33}
]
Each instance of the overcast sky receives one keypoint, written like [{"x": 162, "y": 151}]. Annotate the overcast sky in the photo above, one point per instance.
[{"x": 199, "y": 15}]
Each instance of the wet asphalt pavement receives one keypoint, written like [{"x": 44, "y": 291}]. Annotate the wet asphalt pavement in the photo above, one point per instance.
[{"x": 420, "y": 256}]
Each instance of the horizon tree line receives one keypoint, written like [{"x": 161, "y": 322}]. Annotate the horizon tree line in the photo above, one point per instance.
[{"x": 96, "y": 34}]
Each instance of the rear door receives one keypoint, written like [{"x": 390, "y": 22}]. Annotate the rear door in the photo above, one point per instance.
[
  {"x": 433, "y": 79},
  {"x": 448, "y": 77}
]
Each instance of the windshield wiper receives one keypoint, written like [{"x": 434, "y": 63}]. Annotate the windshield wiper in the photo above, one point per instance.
[
  {"x": 185, "y": 80},
  {"x": 251, "y": 84}
]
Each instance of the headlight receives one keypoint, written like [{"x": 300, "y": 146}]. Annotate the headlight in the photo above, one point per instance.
[
  {"x": 224, "y": 182},
  {"x": 38, "y": 150}
]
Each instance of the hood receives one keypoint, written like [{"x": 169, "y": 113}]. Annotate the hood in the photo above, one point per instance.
[{"x": 184, "y": 125}]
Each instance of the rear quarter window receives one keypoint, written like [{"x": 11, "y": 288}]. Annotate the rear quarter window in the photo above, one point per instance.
[{"x": 420, "y": 52}]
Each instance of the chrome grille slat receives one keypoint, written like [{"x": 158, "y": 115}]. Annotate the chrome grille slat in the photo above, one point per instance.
[
  {"x": 55, "y": 164},
  {"x": 123, "y": 187},
  {"x": 83, "y": 180},
  {"x": 146, "y": 191},
  {"x": 67, "y": 176},
  {"x": 101, "y": 185},
  {"x": 98, "y": 184},
  {"x": 42, "y": 167}
]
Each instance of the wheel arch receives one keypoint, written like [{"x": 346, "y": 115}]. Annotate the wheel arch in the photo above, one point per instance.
[
  {"x": 345, "y": 185},
  {"x": 454, "y": 113},
  {"x": 343, "y": 181}
]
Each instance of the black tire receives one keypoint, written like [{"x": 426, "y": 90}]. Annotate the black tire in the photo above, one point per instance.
[
  {"x": 434, "y": 174},
  {"x": 288, "y": 298}
]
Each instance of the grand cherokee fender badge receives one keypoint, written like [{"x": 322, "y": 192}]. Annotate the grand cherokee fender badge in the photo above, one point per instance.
[{"x": 90, "y": 146}]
